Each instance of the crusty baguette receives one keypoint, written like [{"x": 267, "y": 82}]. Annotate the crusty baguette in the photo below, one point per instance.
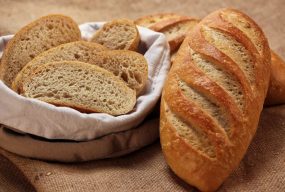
[
  {"x": 85, "y": 87},
  {"x": 33, "y": 39},
  {"x": 213, "y": 98},
  {"x": 128, "y": 65},
  {"x": 276, "y": 91},
  {"x": 119, "y": 34}
]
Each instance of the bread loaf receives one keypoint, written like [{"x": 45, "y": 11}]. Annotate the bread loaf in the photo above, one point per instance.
[
  {"x": 128, "y": 65},
  {"x": 79, "y": 85},
  {"x": 172, "y": 25},
  {"x": 119, "y": 34},
  {"x": 40, "y": 35},
  {"x": 176, "y": 32},
  {"x": 213, "y": 98},
  {"x": 175, "y": 26},
  {"x": 276, "y": 91},
  {"x": 151, "y": 21}
]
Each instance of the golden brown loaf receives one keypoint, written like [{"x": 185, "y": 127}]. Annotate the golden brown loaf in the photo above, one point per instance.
[
  {"x": 85, "y": 87},
  {"x": 33, "y": 39},
  {"x": 176, "y": 32},
  {"x": 173, "y": 26},
  {"x": 213, "y": 98},
  {"x": 119, "y": 34},
  {"x": 151, "y": 21},
  {"x": 276, "y": 90}
]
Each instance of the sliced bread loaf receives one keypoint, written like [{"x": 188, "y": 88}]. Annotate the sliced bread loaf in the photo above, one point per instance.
[
  {"x": 119, "y": 34},
  {"x": 33, "y": 39},
  {"x": 85, "y": 87},
  {"x": 128, "y": 65}
]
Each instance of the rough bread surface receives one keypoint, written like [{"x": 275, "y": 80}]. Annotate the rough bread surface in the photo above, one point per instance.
[
  {"x": 128, "y": 65},
  {"x": 79, "y": 85},
  {"x": 120, "y": 34},
  {"x": 40, "y": 35},
  {"x": 173, "y": 26},
  {"x": 150, "y": 20},
  {"x": 213, "y": 97}
]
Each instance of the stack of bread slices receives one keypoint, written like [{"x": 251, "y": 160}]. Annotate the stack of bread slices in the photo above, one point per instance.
[{"x": 47, "y": 60}]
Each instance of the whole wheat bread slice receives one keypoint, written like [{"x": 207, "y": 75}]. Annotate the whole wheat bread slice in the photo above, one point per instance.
[
  {"x": 74, "y": 51},
  {"x": 128, "y": 65},
  {"x": 119, "y": 34},
  {"x": 82, "y": 86},
  {"x": 40, "y": 35}
]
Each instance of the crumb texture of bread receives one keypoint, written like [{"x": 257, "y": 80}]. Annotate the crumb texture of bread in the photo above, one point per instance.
[
  {"x": 130, "y": 66},
  {"x": 74, "y": 51},
  {"x": 85, "y": 87},
  {"x": 33, "y": 39},
  {"x": 213, "y": 98},
  {"x": 119, "y": 34}
]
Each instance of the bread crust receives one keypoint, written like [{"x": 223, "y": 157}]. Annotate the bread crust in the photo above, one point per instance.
[
  {"x": 175, "y": 42},
  {"x": 164, "y": 22},
  {"x": 276, "y": 91},
  {"x": 75, "y": 35},
  {"x": 192, "y": 164},
  {"x": 151, "y": 20}
]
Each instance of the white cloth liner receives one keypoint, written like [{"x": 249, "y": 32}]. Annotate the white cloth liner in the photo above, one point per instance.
[{"x": 45, "y": 120}]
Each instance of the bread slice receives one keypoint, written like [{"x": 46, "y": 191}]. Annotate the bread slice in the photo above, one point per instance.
[
  {"x": 128, "y": 65},
  {"x": 74, "y": 51},
  {"x": 119, "y": 34},
  {"x": 40, "y": 35},
  {"x": 85, "y": 87}
]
